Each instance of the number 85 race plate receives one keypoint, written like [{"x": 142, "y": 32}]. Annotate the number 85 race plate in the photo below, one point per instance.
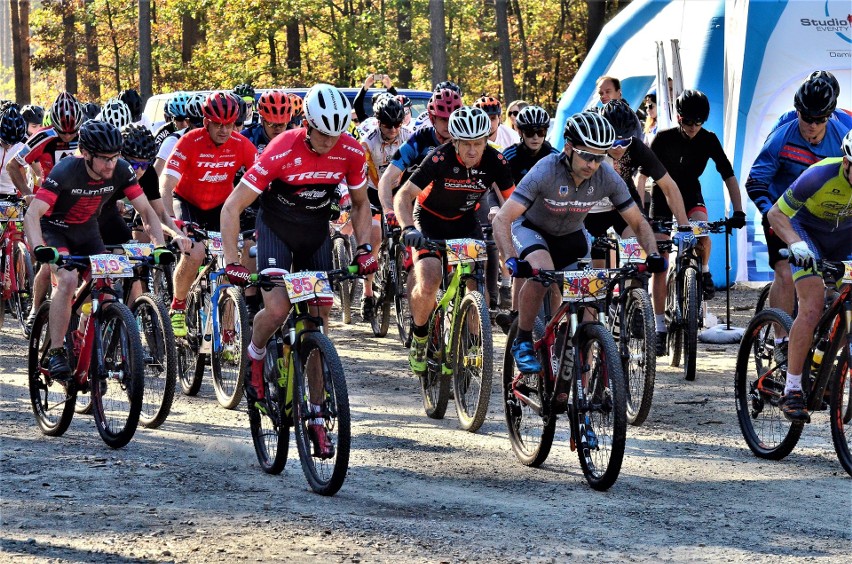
[{"x": 303, "y": 286}]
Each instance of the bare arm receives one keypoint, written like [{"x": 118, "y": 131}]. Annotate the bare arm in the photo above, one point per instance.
[
  {"x": 674, "y": 198},
  {"x": 18, "y": 176},
  {"x": 509, "y": 212},
  {"x": 362, "y": 219},
  {"x": 240, "y": 199},
  {"x": 32, "y": 222},
  {"x": 167, "y": 188},
  {"x": 159, "y": 165},
  {"x": 150, "y": 221},
  {"x": 387, "y": 183},
  {"x": 734, "y": 192},
  {"x": 403, "y": 203},
  {"x": 782, "y": 226},
  {"x": 640, "y": 226}
]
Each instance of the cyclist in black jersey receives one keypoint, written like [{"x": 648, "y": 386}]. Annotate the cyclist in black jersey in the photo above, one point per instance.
[{"x": 447, "y": 187}]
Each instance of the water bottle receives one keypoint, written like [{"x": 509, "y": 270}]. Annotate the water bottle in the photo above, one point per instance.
[{"x": 819, "y": 353}]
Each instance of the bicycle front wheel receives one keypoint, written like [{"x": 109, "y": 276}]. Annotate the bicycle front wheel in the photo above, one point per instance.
[
  {"x": 117, "y": 379},
  {"x": 22, "y": 301},
  {"x": 345, "y": 288},
  {"x": 160, "y": 357},
  {"x": 531, "y": 431},
  {"x": 321, "y": 414},
  {"x": 190, "y": 362},
  {"x": 53, "y": 403},
  {"x": 639, "y": 346},
  {"x": 382, "y": 287},
  {"x": 400, "y": 298},
  {"x": 599, "y": 419},
  {"x": 840, "y": 405},
  {"x": 691, "y": 313},
  {"x": 435, "y": 383},
  {"x": 270, "y": 422},
  {"x": 759, "y": 380},
  {"x": 229, "y": 362},
  {"x": 763, "y": 299},
  {"x": 473, "y": 361}
]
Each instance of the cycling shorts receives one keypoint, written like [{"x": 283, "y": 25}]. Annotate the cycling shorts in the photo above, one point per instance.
[
  {"x": 692, "y": 203},
  {"x": 434, "y": 227},
  {"x": 834, "y": 246},
  {"x": 597, "y": 224},
  {"x": 564, "y": 250},
  {"x": 294, "y": 252},
  {"x": 78, "y": 239},
  {"x": 113, "y": 228},
  {"x": 206, "y": 219}
]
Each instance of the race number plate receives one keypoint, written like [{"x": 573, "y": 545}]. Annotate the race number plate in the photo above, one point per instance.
[
  {"x": 630, "y": 251},
  {"x": 580, "y": 285},
  {"x": 459, "y": 250},
  {"x": 847, "y": 274},
  {"x": 303, "y": 286},
  {"x": 110, "y": 266},
  {"x": 699, "y": 228},
  {"x": 214, "y": 243},
  {"x": 10, "y": 210},
  {"x": 138, "y": 250}
]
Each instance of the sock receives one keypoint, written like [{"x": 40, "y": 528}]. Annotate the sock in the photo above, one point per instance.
[
  {"x": 781, "y": 340},
  {"x": 794, "y": 382},
  {"x": 256, "y": 353},
  {"x": 523, "y": 335},
  {"x": 660, "y": 322},
  {"x": 419, "y": 330},
  {"x": 705, "y": 268},
  {"x": 315, "y": 409},
  {"x": 178, "y": 304}
]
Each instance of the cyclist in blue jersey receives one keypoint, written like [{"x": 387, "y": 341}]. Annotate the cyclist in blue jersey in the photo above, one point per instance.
[
  {"x": 814, "y": 218},
  {"x": 787, "y": 153},
  {"x": 840, "y": 115}
]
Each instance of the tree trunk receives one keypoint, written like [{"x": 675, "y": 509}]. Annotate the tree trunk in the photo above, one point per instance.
[
  {"x": 69, "y": 44},
  {"x": 294, "y": 47},
  {"x": 501, "y": 7},
  {"x": 529, "y": 79},
  {"x": 595, "y": 21},
  {"x": 145, "y": 71},
  {"x": 191, "y": 34},
  {"x": 20, "y": 38},
  {"x": 6, "y": 35},
  {"x": 115, "y": 51},
  {"x": 438, "y": 32},
  {"x": 403, "y": 30},
  {"x": 273, "y": 54},
  {"x": 91, "y": 80}
]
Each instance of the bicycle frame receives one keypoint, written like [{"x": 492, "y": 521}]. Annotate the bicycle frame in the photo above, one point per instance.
[
  {"x": 837, "y": 317},
  {"x": 11, "y": 234}
]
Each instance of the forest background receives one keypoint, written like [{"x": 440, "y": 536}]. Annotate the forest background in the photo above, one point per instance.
[{"x": 527, "y": 49}]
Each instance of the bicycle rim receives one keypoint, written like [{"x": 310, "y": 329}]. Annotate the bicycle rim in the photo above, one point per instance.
[
  {"x": 340, "y": 259},
  {"x": 270, "y": 426},
  {"x": 403, "y": 312},
  {"x": 52, "y": 403},
  {"x": 640, "y": 366},
  {"x": 473, "y": 361},
  {"x": 159, "y": 356},
  {"x": 840, "y": 406},
  {"x": 22, "y": 300},
  {"x": 691, "y": 314},
  {"x": 434, "y": 384},
  {"x": 190, "y": 362},
  {"x": 229, "y": 364}
]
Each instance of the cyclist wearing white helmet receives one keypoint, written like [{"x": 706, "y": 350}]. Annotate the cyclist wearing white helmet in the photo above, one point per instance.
[
  {"x": 447, "y": 186},
  {"x": 541, "y": 225}
]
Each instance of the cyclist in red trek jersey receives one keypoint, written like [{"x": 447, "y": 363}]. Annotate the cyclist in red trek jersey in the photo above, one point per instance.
[{"x": 200, "y": 173}]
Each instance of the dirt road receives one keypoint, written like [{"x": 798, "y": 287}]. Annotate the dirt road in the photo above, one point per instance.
[{"x": 418, "y": 490}]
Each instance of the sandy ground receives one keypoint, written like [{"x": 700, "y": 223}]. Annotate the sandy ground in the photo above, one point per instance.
[{"x": 419, "y": 490}]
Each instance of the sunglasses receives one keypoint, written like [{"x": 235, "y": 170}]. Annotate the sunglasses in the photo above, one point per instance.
[
  {"x": 650, "y": 106},
  {"x": 107, "y": 159},
  {"x": 534, "y": 132},
  {"x": 391, "y": 125},
  {"x": 590, "y": 157},
  {"x": 812, "y": 120},
  {"x": 622, "y": 142},
  {"x": 138, "y": 165},
  {"x": 514, "y": 113},
  {"x": 691, "y": 122}
]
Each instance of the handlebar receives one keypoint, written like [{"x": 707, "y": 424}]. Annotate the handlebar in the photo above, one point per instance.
[
  {"x": 831, "y": 270},
  {"x": 269, "y": 281}
]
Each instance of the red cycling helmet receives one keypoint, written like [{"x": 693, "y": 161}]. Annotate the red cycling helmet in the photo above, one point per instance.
[
  {"x": 490, "y": 105},
  {"x": 66, "y": 114},
  {"x": 443, "y": 103},
  {"x": 275, "y": 106},
  {"x": 220, "y": 107}
]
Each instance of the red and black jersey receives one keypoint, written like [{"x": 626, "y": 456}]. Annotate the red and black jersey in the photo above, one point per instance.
[
  {"x": 450, "y": 190},
  {"x": 75, "y": 198},
  {"x": 47, "y": 148}
]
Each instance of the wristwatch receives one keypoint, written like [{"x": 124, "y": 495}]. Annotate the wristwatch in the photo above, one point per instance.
[{"x": 366, "y": 247}]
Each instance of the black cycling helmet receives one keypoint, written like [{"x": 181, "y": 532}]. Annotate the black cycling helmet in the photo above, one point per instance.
[
  {"x": 33, "y": 114},
  {"x": 100, "y": 137},
  {"x": 693, "y": 105},
  {"x": 134, "y": 101},
  {"x": 815, "y": 97},
  {"x": 138, "y": 143},
  {"x": 90, "y": 110},
  {"x": 389, "y": 111},
  {"x": 13, "y": 128},
  {"x": 622, "y": 118},
  {"x": 195, "y": 109},
  {"x": 448, "y": 84},
  {"x": 244, "y": 91},
  {"x": 242, "y": 109},
  {"x": 827, "y": 76},
  {"x": 532, "y": 117},
  {"x": 6, "y": 104},
  {"x": 589, "y": 129}
]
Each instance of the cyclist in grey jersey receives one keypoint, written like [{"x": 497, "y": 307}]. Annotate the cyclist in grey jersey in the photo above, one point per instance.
[{"x": 541, "y": 225}]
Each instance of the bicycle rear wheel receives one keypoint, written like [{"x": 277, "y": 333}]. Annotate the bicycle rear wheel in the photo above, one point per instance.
[
  {"x": 763, "y": 299},
  {"x": 759, "y": 384},
  {"x": 21, "y": 301},
  {"x": 117, "y": 379},
  {"x": 53, "y": 403},
  {"x": 190, "y": 362},
  {"x": 691, "y": 313},
  {"x": 840, "y": 408},
  {"x": 473, "y": 361},
  {"x": 435, "y": 384},
  {"x": 318, "y": 361},
  {"x": 345, "y": 288},
  {"x": 229, "y": 362},
  {"x": 675, "y": 335},
  {"x": 400, "y": 298},
  {"x": 160, "y": 357},
  {"x": 530, "y": 430},
  {"x": 382, "y": 292},
  {"x": 599, "y": 421},
  {"x": 270, "y": 425},
  {"x": 639, "y": 342}
]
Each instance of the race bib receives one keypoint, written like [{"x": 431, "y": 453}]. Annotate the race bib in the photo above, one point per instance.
[
  {"x": 459, "y": 250},
  {"x": 138, "y": 250},
  {"x": 699, "y": 228},
  {"x": 10, "y": 210},
  {"x": 630, "y": 251},
  {"x": 214, "y": 243},
  {"x": 847, "y": 274},
  {"x": 303, "y": 286},
  {"x": 110, "y": 266},
  {"x": 580, "y": 285}
]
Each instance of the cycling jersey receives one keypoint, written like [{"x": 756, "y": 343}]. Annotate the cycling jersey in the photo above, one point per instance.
[
  {"x": 521, "y": 159},
  {"x": 257, "y": 135},
  {"x": 6, "y": 155},
  {"x": 843, "y": 117},
  {"x": 821, "y": 199},
  {"x": 47, "y": 148},
  {"x": 75, "y": 198},
  {"x": 784, "y": 156},
  {"x": 555, "y": 205},
  {"x": 450, "y": 190},
  {"x": 409, "y": 155},
  {"x": 205, "y": 172},
  {"x": 379, "y": 153},
  {"x": 164, "y": 131},
  {"x": 168, "y": 144},
  {"x": 506, "y": 137},
  {"x": 297, "y": 185},
  {"x": 638, "y": 156}
]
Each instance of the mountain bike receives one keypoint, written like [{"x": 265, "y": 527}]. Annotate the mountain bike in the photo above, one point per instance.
[
  {"x": 16, "y": 267},
  {"x": 104, "y": 351},
  {"x": 581, "y": 375},
  {"x": 685, "y": 294},
  {"x": 466, "y": 351},
  {"x": 399, "y": 276},
  {"x": 302, "y": 366},
  {"x": 343, "y": 245},
  {"x": 217, "y": 328},
  {"x": 826, "y": 382}
]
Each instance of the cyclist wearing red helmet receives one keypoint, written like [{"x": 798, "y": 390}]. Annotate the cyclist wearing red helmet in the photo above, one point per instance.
[
  {"x": 200, "y": 174},
  {"x": 276, "y": 111},
  {"x": 500, "y": 135}
]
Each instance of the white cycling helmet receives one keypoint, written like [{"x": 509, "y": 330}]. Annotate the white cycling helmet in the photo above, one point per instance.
[
  {"x": 846, "y": 145},
  {"x": 327, "y": 109},
  {"x": 468, "y": 123},
  {"x": 589, "y": 129},
  {"x": 532, "y": 117},
  {"x": 115, "y": 112}
]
